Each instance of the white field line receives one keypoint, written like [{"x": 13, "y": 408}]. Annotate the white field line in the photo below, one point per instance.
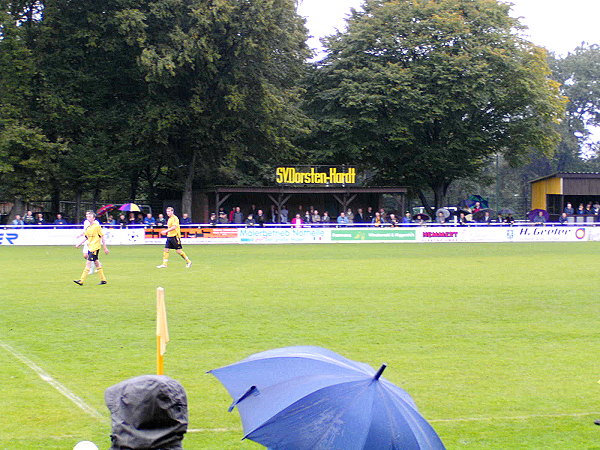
[
  {"x": 526, "y": 417},
  {"x": 460, "y": 419},
  {"x": 52, "y": 382}
]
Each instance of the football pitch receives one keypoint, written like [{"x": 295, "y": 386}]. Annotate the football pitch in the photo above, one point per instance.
[{"x": 495, "y": 342}]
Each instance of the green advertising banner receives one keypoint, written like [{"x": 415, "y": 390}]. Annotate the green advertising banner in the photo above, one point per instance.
[{"x": 373, "y": 235}]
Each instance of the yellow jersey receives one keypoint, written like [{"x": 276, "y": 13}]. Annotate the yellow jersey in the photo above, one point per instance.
[
  {"x": 94, "y": 234},
  {"x": 174, "y": 222}
]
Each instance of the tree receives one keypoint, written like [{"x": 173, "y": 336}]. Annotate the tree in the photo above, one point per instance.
[
  {"x": 579, "y": 76},
  {"x": 424, "y": 92},
  {"x": 222, "y": 85}
]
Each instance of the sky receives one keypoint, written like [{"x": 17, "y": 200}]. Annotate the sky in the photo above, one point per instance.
[{"x": 558, "y": 25}]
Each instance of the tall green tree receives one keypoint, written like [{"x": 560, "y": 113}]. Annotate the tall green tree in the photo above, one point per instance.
[
  {"x": 424, "y": 92},
  {"x": 26, "y": 154},
  {"x": 222, "y": 82},
  {"x": 579, "y": 76}
]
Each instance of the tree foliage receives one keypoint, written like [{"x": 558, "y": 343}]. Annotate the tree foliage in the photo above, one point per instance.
[{"x": 423, "y": 92}]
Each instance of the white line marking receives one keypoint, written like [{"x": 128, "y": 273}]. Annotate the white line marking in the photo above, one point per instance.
[
  {"x": 530, "y": 416},
  {"x": 213, "y": 430},
  {"x": 463, "y": 419},
  {"x": 52, "y": 382}
]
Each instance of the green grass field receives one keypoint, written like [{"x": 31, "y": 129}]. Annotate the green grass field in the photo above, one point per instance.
[{"x": 495, "y": 342}]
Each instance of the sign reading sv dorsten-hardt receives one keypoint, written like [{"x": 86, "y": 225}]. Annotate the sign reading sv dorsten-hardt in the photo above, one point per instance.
[{"x": 315, "y": 175}]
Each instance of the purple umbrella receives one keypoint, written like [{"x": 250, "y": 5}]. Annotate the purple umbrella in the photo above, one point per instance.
[
  {"x": 130, "y": 207},
  {"x": 535, "y": 213}
]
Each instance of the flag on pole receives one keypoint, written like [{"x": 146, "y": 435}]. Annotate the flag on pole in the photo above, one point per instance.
[{"x": 162, "y": 330}]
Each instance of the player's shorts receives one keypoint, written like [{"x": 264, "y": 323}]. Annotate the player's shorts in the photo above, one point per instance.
[
  {"x": 93, "y": 256},
  {"x": 173, "y": 242}
]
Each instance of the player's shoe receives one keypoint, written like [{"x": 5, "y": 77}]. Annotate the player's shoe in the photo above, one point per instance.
[
  {"x": 102, "y": 282},
  {"x": 188, "y": 265},
  {"x": 162, "y": 266},
  {"x": 79, "y": 282}
]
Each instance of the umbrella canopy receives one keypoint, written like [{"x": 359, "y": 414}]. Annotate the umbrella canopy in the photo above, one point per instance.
[
  {"x": 478, "y": 198},
  {"x": 421, "y": 216},
  {"x": 444, "y": 211},
  {"x": 479, "y": 215},
  {"x": 535, "y": 213},
  {"x": 130, "y": 207},
  {"x": 105, "y": 209},
  {"x": 313, "y": 398},
  {"x": 506, "y": 211}
]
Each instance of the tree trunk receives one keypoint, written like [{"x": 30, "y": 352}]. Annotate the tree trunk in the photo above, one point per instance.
[
  {"x": 186, "y": 198},
  {"x": 424, "y": 201},
  {"x": 18, "y": 208}
]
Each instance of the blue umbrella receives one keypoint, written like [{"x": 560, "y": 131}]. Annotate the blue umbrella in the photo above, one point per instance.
[{"x": 313, "y": 398}]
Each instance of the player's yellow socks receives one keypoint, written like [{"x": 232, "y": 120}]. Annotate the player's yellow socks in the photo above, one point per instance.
[
  {"x": 100, "y": 271},
  {"x": 184, "y": 256},
  {"x": 84, "y": 274},
  {"x": 165, "y": 258}
]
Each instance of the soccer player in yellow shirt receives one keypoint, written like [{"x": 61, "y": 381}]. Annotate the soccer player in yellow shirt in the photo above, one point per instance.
[
  {"x": 94, "y": 237},
  {"x": 173, "y": 233}
]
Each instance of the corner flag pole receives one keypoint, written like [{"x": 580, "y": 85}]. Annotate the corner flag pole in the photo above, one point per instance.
[{"x": 162, "y": 330}]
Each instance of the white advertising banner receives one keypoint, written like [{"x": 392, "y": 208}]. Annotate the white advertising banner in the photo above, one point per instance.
[
  {"x": 571, "y": 233},
  {"x": 49, "y": 236},
  {"x": 507, "y": 234},
  {"x": 283, "y": 235}
]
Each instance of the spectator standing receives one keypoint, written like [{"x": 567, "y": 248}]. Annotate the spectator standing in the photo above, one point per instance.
[
  {"x": 283, "y": 214},
  {"x": 407, "y": 218},
  {"x": 231, "y": 214},
  {"x": 18, "y": 221},
  {"x": 539, "y": 219},
  {"x": 213, "y": 219},
  {"x": 28, "y": 219},
  {"x": 185, "y": 219},
  {"x": 359, "y": 217},
  {"x": 580, "y": 209},
  {"x": 350, "y": 215},
  {"x": 238, "y": 216},
  {"x": 274, "y": 214},
  {"x": 325, "y": 218},
  {"x": 342, "y": 219},
  {"x": 250, "y": 222},
  {"x": 369, "y": 215},
  {"x": 160, "y": 220},
  {"x": 377, "y": 220},
  {"x": 441, "y": 219},
  {"x": 149, "y": 220},
  {"x": 477, "y": 207},
  {"x": 509, "y": 219},
  {"x": 261, "y": 219},
  {"x": 316, "y": 217},
  {"x": 307, "y": 217},
  {"x": 60, "y": 220},
  {"x": 111, "y": 220},
  {"x": 569, "y": 209},
  {"x": 39, "y": 219},
  {"x": 393, "y": 220},
  {"x": 297, "y": 221},
  {"x": 123, "y": 221},
  {"x": 563, "y": 219},
  {"x": 223, "y": 220}
]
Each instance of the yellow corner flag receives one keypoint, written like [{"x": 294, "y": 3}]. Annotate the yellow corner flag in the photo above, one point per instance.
[{"x": 162, "y": 330}]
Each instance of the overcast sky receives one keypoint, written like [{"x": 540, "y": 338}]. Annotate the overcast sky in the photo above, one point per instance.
[{"x": 558, "y": 25}]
